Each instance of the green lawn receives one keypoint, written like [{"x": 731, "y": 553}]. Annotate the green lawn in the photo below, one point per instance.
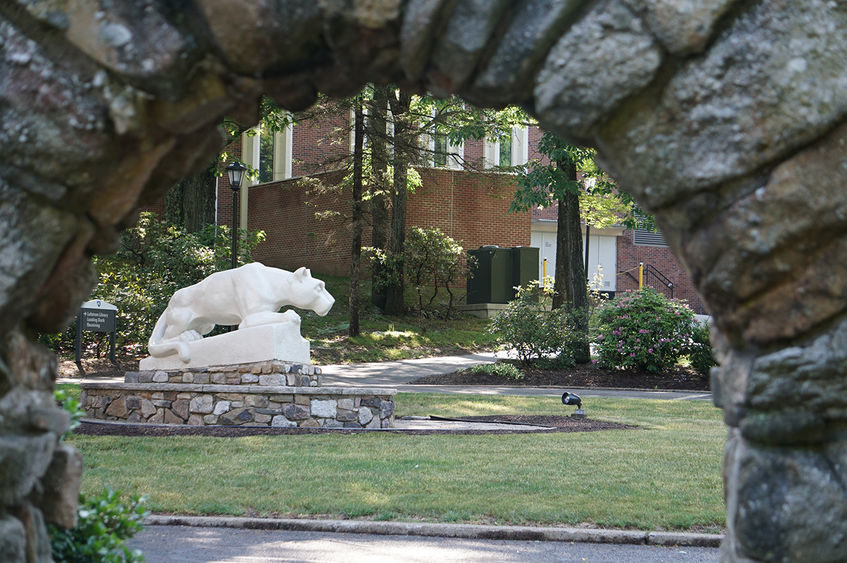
[{"x": 666, "y": 474}]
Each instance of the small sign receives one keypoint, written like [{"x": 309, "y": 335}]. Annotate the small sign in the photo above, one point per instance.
[{"x": 96, "y": 316}]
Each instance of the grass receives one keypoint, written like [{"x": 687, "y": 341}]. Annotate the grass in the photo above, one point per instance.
[
  {"x": 388, "y": 338},
  {"x": 666, "y": 474}
]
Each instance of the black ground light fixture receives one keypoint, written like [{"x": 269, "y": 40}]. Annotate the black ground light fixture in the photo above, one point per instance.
[
  {"x": 235, "y": 171},
  {"x": 573, "y": 399}
]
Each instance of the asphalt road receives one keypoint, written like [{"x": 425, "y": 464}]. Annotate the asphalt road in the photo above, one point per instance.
[{"x": 176, "y": 544}]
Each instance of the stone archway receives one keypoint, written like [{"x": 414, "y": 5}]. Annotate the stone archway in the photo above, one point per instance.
[{"x": 726, "y": 118}]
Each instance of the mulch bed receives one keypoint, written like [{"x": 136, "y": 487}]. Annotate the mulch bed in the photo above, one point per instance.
[{"x": 584, "y": 376}]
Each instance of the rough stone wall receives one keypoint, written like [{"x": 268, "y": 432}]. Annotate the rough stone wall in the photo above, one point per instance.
[{"x": 725, "y": 117}]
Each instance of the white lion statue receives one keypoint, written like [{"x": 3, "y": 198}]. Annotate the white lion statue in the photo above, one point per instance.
[{"x": 247, "y": 296}]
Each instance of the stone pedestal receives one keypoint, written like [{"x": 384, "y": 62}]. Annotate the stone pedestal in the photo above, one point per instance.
[{"x": 281, "y": 341}]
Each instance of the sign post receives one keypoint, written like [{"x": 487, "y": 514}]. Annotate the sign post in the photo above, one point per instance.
[{"x": 96, "y": 316}]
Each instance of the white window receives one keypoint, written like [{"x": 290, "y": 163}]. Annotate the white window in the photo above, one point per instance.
[
  {"x": 445, "y": 154},
  {"x": 509, "y": 151},
  {"x": 268, "y": 152}
]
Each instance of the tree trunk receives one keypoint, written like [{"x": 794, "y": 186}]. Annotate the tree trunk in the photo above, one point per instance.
[
  {"x": 190, "y": 204},
  {"x": 570, "y": 287},
  {"x": 380, "y": 191},
  {"x": 400, "y": 104},
  {"x": 356, "y": 255}
]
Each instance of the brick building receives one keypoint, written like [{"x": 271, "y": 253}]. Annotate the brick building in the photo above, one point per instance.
[{"x": 470, "y": 206}]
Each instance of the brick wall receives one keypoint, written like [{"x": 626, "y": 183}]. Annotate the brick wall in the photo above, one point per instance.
[
  {"x": 320, "y": 145},
  {"x": 472, "y": 208},
  {"x": 660, "y": 257},
  {"x": 295, "y": 237}
]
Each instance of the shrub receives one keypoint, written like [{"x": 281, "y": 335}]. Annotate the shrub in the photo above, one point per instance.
[
  {"x": 432, "y": 259},
  {"x": 103, "y": 524},
  {"x": 72, "y": 405},
  {"x": 533, "y": 330},
  {"x": 500, "y": 369},
  {"x": 643, "y": 330},
  {"x": 154, "y": 260},
  {"x": 700, "y": 349}
]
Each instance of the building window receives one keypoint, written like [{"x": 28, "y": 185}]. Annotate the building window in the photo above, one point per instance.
[
  {"x": 508, "y": 152},
  {"x": 269, "y": 153},
  {"x": 444, "y": 153}
]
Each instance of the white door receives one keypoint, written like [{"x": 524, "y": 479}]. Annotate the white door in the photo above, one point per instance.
[{"x": 602, "y": 258}]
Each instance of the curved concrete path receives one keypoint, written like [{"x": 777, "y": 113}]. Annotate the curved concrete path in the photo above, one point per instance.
[{"x": 398, "y": 374}]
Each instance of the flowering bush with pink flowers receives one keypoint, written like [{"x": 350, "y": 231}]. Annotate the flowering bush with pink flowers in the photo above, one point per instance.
[{"x": 643, "y": 330}]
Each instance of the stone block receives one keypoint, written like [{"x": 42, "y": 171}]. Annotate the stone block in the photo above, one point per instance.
[
  {"x": 346, "y": 415},
  {"x": 327, "y": 409},
  {"x": 188, "y": 377},
  {"x": 310, "y": 423},
  {"x": 160, "y": 377},
  {"x": 302, "y": 400},
  {"x": 195, "y": 420},
  {"x": 249, "y": 378},
  {"x": 291, "y": 379},
  {"x": 12, "y": 539},
  {"x": 264, "y": 343},
  {"x": 610, "y": 37},
  {"x": 202, "y": 378},
  {"x": 365, "y": 416},
  {"x": 352, "y": 425},
  {"x": 271, "y": 412},
  {"x": 201, "y": 404},
  {"x": 148, "y": 408},
  {"x": 159, "y": 417},
  {"x": 256, "y": 401},
  {"x": 217, "y": 378},
  {"x": 145, "y": 377},
  {"x": 332, "y": 423},
  {"x": 172, "y": 418},
  {"x": 386, "y": 409},
  {"x": 282, "y": 422},
  {"x": 295, "y": 412},
  {"x": 371, "y": 402},
  {"x": 274, "y": 379},
  {"x": 346, "y": 404},
  {"x": 162, "y": 403},
  {"x": 117, "y": 409},
  {"x": 131, "y": 377},
  {"x": 133, "y": 403},
  {"x": 260, "y": 418},
  {"x": 209, "y": 419},
  {"x": 134, "y": 416},
  {"x": 180, "y": 408},
  {"x": 222, "y": 407},
  {"x": 60, "y": 487}
]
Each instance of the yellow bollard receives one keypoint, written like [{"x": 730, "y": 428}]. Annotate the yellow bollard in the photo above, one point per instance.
[
  {"x": 640, "y": 275},
  {"x": 544, "y": 277}
]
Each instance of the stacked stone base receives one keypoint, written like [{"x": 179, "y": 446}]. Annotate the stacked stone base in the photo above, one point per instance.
[
  {"x": 272, "y": 394},
  {"x": 271, "y": 373}
]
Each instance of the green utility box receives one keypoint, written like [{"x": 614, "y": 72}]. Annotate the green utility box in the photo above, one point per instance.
[{"x": 498, "y": 271}]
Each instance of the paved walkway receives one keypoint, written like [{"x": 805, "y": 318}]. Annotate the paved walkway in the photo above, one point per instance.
[
  {"x": 398, "y": 374},
  {"x": 178, "y": 544}
]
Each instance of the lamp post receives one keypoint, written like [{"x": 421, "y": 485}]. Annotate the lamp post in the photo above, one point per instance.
[{"x": 235, "y": 171}]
